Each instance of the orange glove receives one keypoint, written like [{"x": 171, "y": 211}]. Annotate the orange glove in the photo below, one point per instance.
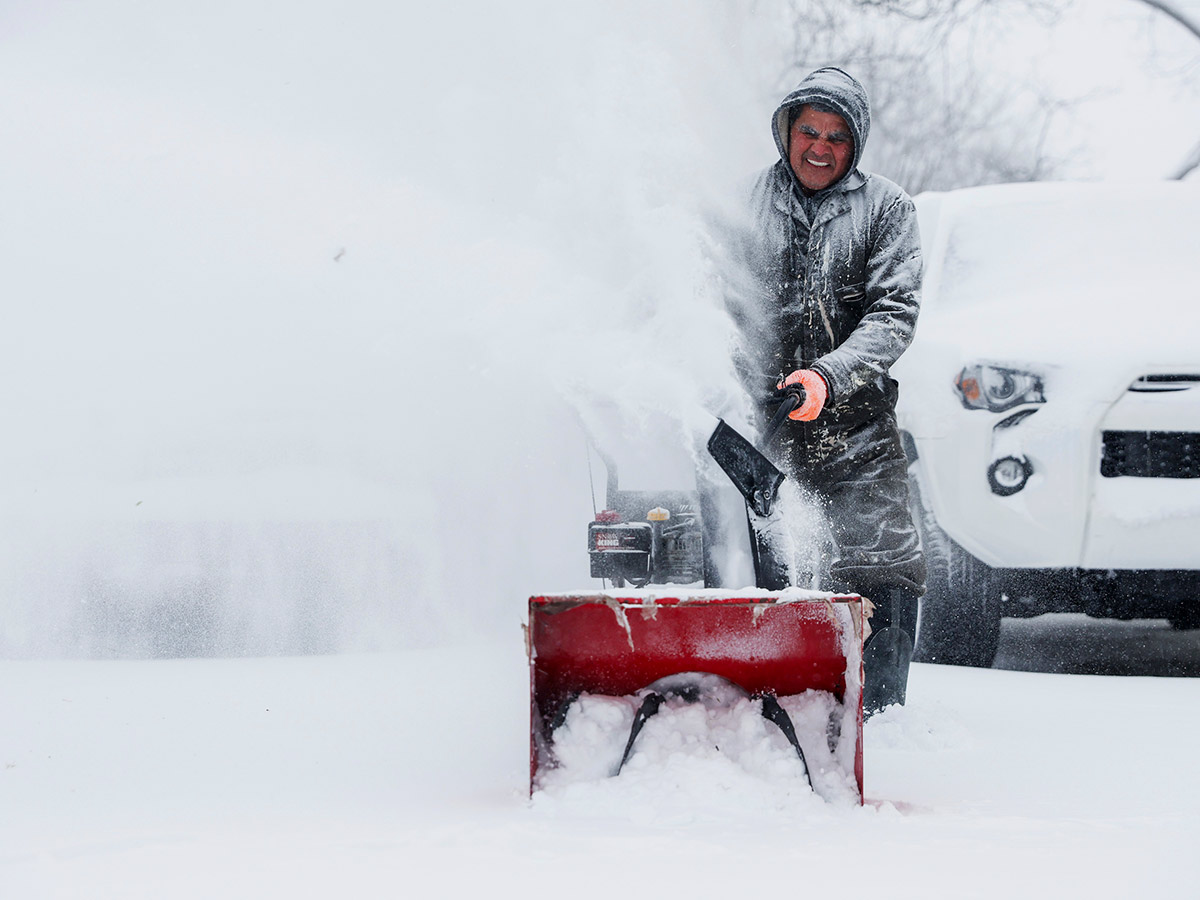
[{"x": 816, "y": 392}]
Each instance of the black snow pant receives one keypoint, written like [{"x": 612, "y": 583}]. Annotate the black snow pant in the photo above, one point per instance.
[{"x": 858, "y": 474}]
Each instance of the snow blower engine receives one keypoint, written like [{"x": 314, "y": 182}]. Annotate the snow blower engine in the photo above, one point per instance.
[
  {"x": 658, "y": 537},
  {"x": 643, "y": 538}
]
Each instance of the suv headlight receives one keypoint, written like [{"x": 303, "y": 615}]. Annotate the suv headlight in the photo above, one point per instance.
[{"x": 997, "y": 388}]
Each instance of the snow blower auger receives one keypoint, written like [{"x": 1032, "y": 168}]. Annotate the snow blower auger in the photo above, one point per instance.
[{"x": 780, "y": 647}]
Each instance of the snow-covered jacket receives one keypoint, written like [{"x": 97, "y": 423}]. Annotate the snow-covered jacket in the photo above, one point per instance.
[{"x": 839, "y": 292}]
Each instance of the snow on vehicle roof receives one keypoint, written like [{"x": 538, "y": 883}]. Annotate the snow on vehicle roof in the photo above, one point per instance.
[
  {"x": 1058, "y": 241},
  {"x": 1087, "y": 273}
]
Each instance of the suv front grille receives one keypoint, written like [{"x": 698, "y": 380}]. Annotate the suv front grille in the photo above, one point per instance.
[
  {"x": 1153, "y": 384},
  {"x": 1150, "y": 454}
]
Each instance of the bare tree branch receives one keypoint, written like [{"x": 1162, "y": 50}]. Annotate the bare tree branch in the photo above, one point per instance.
[
  {"x": 938, "y": 121},
  {"x": 1172, "y": 10},
  {"x": 1189, "y": 165}
]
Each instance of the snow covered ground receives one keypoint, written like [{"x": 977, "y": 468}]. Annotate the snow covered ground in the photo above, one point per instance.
[{"x": 405, "y": 774}]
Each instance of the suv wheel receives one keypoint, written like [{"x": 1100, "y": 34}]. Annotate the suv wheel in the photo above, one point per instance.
[{"x": 960, "y": 612}]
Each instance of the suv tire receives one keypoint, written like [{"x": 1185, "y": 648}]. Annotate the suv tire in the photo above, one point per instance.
[{"x": 960, "y": 613}]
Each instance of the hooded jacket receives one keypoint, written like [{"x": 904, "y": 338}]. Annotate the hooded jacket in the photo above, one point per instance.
[{"x": 840, "y": 292}]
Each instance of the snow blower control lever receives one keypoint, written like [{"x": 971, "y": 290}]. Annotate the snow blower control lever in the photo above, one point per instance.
[{"x": 791, "y": 398}]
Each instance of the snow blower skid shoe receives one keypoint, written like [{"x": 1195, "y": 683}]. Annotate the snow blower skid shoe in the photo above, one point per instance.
[{"x": 709, "y": 647}]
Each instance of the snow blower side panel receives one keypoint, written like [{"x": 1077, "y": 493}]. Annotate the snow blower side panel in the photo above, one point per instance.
[{"x": 776, "y": 644}]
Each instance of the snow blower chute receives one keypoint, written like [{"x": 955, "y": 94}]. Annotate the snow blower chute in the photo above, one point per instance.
[{"x": 659, "y": 648}]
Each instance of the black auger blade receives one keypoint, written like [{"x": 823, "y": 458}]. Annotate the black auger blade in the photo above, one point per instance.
[
  {"x": 651, "y": 705},
  {"x": 777, "y": 714},
  {"x": 692, "y": 693}
]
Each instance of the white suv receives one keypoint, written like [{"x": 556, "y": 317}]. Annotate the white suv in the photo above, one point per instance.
[{"x": 1050, "y": 405}]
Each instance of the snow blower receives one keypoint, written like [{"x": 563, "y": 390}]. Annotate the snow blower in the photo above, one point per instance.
[{"x": 698, "y": 642}]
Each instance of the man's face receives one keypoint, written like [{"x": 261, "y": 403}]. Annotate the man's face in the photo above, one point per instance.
[{"x": 821, "y": 148}]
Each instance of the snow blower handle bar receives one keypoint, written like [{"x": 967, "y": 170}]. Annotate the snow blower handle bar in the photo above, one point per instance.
[{"x": 791, "y": 396}]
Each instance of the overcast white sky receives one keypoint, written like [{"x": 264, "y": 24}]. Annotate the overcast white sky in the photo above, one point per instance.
[{"x": 1143, "y": 72}]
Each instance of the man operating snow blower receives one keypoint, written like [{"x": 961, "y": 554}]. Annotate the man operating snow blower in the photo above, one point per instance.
[{"x": 835, "y": 264}]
